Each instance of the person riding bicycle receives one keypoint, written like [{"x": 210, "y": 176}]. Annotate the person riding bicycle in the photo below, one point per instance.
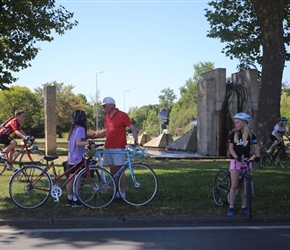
[
  {"x": 240, "y": 141},
  {"x": 9, "y": 127},
  {"x": 280, "y": 130}
]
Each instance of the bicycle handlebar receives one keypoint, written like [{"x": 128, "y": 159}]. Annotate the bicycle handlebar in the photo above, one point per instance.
[
  {"x": 131, "y": 150},
  {"x": 30, "y": 140},
  {"x": 134, "y": 150}
]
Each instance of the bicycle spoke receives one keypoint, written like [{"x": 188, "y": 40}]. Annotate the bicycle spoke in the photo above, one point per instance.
[
  {"x": 96, "y": 190},
  {"x": 141, "y": 187},
  {"x": 221, "y": 187},
  {"x": 30, "y": 187}
]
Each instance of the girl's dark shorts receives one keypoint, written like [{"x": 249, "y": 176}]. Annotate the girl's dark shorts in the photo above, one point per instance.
[{"x": 75, "y": 167}]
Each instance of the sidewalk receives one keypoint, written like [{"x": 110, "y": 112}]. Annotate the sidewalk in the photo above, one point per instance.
[{"x": 89, "y": 222}]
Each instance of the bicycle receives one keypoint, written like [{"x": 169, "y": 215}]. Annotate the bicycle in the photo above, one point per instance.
[
  {"x": 281, "y": 151},
  {"x": 31, "y": 186},
  {"x": 28, "y": 154},
  {"x": 141, "y": 180},
  {"x": 222, "y": 186}
]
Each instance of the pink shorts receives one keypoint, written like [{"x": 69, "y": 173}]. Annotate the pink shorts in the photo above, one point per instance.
[{"x": 238, "y": 165}]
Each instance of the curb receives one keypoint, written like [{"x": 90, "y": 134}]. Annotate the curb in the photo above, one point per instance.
[{"x": 88, "y": 222}]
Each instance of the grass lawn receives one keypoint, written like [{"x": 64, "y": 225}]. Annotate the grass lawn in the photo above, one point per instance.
[{"x": 185, "y": 189}]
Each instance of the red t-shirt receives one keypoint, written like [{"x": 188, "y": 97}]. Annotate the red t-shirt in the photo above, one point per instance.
[
  {"x": 10, "y": 127},
  {"x": 116, "y": 129}
]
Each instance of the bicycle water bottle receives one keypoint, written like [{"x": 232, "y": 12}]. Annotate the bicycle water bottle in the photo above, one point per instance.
[{"x": 275, "y": 151}]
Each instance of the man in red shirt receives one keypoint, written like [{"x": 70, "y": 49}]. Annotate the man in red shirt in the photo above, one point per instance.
[
  {"x": 116, "y": 123},
  {"x": 11, "y": 126}
]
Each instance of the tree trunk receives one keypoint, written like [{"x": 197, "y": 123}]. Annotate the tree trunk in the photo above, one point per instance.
[{"x": 270, "y": 17}]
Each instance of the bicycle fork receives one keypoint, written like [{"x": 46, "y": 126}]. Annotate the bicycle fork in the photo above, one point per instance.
[{"x": 137, "y": 184}]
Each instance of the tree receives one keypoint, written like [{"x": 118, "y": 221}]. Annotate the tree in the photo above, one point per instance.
[
  {"x": 255, "y": 32},
  {"x": 23, "y": 23},
  {"x": 66, "y": 103},
  {"x": 184, "y": 111},
  {"x": 145, "y": 118},
  {"x": 21, "y": 98}
]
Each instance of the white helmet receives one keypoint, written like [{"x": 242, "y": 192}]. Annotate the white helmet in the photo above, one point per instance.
[{"x": 243, "y": 116}]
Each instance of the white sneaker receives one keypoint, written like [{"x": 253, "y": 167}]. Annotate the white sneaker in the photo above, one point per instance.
[
  {"x": 10, "y": 167},
  {"x": 117, "y": 196},
  {"x": 3, "y": 156},
  {"x": 120, "y": 195}
]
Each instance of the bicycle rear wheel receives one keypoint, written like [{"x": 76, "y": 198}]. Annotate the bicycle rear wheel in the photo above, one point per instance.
[
  {"x": 95, "y": 189},
  {"x": 2, "y": 167},
  {"x": 221, "y": 187},
  {"x": 267, "y": 160},
  {"x": 33, "y": 156},
  {"x": 141, "y": 185},
  {"x": 2, "y": 164},
  {"x": 29, "y": 187}
]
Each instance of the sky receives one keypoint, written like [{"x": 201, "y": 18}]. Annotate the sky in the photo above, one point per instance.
[{"x": 128, "y": 50}]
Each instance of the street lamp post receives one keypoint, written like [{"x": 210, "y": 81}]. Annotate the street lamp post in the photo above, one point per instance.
[
  {"x": 97, "y": 100},
  {"x": 124, "y": 98}
]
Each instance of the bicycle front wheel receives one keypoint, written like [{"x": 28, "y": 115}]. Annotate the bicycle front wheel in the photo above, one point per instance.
[
  {"x": 141, "y": 184},
  {"x": 33, "y": 156},
  {"x": 29, "y": 187},
  {"x": 95, "y": 189},
  {"x": 221, "y": 187},
  {"x": 249, "y": 192}
]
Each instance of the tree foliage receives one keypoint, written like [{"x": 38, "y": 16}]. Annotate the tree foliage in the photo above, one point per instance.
[
  {"x": 66, "y": 103},
  {"x": 145, "y": 118},
  {"x": 236, "y": 24},
  {"x": 166, "y": 99},
  {"x": 184, "y": 111},
  {"x": 20, "y": 98},
  {"x": 24, "y": 23}
]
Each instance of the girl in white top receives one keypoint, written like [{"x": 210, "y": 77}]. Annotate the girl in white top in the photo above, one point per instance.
[{"x": 277, "y": 134}]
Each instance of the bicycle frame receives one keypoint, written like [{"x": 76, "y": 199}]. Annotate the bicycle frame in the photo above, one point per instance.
[
  {"x": 54, "y": 180},
  {"x": 25, "y": 148},
  {"x": 279, "y": 152},
  {"x": 99, "y": 153}
]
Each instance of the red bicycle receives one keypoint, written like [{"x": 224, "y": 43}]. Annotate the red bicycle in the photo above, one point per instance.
[{"x": 27, "y": 155}]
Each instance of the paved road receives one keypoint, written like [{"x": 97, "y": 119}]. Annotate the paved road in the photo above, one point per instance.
[{"x": 137, "y": 238}]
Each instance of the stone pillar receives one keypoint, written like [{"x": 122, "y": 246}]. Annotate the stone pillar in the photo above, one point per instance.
[
  {"x": 211, "y": 96},
  {"x": 249, "y": 79},
  {"x": 50, "y": 119}
]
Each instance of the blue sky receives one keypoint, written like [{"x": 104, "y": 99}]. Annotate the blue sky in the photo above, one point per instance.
[{"x": 142, "y": 47}]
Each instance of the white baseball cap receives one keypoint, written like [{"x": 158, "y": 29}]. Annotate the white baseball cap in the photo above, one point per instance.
[{"x": 108, "y": 100}]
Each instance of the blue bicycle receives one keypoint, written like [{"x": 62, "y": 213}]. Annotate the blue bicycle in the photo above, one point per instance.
[{"x": 141, "y": 180}]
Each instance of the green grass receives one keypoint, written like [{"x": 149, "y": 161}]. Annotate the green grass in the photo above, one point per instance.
[{"x": 185, "y": 189}]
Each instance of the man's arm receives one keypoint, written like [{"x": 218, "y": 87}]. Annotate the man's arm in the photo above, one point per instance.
[
  {"x": 135, "y": 134},
  {"x": 100, "y": 135}
]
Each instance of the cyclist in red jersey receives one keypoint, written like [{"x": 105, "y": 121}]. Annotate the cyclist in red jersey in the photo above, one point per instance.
[
  {"x": 9, "y": 127},
  {"x": 116, "y": 122}
]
